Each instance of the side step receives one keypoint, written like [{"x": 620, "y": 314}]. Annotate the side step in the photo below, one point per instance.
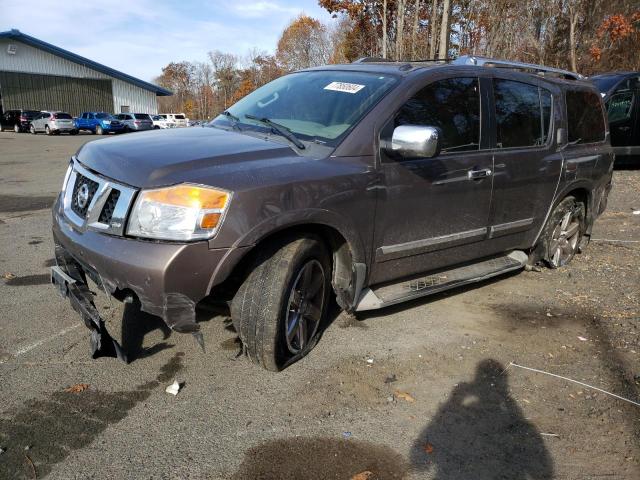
[{"x": 390, "y": 294}]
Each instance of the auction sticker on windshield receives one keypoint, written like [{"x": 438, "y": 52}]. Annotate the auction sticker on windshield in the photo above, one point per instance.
[{"x": 344, "y": 87}]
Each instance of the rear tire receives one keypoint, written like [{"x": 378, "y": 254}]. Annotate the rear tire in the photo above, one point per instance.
[
  {"x": 73, "y": 132},
  {"x": 47, "y": 130},
  {"x": 281, "y": 307},
  {"x": 564, "y": 230},
  {"x": 16, "y": 128},
  {"x": 32, "y": 129},
  {"x": 99, "y": 130}
]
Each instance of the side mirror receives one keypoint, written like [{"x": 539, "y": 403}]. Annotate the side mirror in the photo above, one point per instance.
[{"x": 416, "y": 141}]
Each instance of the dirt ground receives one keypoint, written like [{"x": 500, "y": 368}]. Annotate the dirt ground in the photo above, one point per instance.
[{"x": 421, "y": 390}]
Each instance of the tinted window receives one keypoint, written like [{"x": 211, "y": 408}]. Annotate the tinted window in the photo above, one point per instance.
[
  {"x": 584, "y": 117},
  {"x": 103, "y": 116},
  {"x": 605, "y": 83},
  {"x": 619, "y": 106},
  {"x": 180, "y": 117},
  {"x": 64, "y": 116},
  {"x": 523, "y": 114},
  {"x": 453, "y": 105},
  {"x": 30, "y": 113},
  {"x": 141, "y": 116}
]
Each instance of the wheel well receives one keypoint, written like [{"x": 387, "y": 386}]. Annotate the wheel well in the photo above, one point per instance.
[
  {"x": 580, "y": 194},
  {"x": 336, "y": 243}
]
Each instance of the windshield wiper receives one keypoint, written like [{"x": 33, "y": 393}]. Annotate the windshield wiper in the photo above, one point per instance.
[
  {"x": 235, "y": 119},
  {"x": 280, "y": 129}
]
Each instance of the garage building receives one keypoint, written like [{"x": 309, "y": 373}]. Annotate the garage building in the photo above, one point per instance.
[{"x": 36, "y": 75}]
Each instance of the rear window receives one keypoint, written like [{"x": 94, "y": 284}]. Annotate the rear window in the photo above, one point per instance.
[
  {"x": 180, "y": 117},
  {"x": 63, "y": 116},
  {"x": 605, "y": 83},
  {"x": 103, "y": 115},
  {"x": 523, "y": 114},
  {"x": 141, "y": 116},
  {"x": 585, "y": 117}
]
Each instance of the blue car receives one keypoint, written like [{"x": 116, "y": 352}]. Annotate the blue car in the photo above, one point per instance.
[{"x": 99, "y": 123}]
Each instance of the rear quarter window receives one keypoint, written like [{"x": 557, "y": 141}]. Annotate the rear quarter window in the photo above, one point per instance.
[{"x": 585, "y": 117}]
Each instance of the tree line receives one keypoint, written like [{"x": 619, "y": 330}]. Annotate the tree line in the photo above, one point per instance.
[{"x": 587, "y": 36}]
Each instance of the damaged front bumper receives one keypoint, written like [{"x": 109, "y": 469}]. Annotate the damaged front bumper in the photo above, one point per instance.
[{"x": 168, "y": 279}]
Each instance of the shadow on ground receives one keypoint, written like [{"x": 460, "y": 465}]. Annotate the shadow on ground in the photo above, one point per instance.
[{"x": 481, "y": 433}]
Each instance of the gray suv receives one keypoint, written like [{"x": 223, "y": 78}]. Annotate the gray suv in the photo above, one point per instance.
[{"x": 374, "y": 183}]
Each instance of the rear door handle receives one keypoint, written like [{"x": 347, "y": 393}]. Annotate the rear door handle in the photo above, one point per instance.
[{"x": 477, "y": 174}]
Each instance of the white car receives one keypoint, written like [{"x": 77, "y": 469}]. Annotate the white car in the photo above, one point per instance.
[
  {"x": 161, "y": 122},
  {"x": 180, "y": 119}
]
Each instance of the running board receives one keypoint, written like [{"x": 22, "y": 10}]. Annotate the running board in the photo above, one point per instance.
[{"x": 390, "y": 294}]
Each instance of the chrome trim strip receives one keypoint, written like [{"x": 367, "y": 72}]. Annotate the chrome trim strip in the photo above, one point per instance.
[
  {"x": 429, "y": 244},
  {"x": 509, "y": 227},
  {"x": 105, "y": 186}
]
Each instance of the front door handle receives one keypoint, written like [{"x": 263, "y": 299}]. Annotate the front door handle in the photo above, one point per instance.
[{"x": 478, "y": 174}]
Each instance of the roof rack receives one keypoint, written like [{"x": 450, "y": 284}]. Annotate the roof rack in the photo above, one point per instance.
[
  {"x": 371, "y": 60},
  {"x": 526, "y": 67}
]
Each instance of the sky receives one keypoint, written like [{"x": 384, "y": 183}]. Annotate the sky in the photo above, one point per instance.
[{"x": 139, "y": 37}]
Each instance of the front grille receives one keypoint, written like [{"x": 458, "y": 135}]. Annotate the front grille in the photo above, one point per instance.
[
  {"x": 91, "y": 185},
  {"x": 109, "y": 207}
]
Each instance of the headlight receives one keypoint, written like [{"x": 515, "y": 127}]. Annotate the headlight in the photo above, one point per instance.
[{"x": 182, "y": 212}]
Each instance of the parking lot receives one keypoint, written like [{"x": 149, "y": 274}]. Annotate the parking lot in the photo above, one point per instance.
[{"x": 421, "y": 390}]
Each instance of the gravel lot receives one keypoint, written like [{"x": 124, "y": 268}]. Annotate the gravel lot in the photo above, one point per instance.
[{"x": 422, "y": 390}]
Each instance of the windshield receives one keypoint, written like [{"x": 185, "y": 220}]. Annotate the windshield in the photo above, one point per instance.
[
  {"x": 103, "y": 116},
  {"x": 605, "y": 83},
  {"x": 316, "y": 105}
]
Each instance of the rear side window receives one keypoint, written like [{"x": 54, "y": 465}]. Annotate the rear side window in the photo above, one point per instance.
[
  {"x": 585, "y": 117},
  {"x": 523, "y": 114},
  {"x": 180, "y": 117},
  {"x": 453, "y": 105}
]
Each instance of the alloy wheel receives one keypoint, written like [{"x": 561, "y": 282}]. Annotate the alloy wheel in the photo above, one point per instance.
[
  {"x": 304, "y": 310},
  {"x": 564, "y": 240}
]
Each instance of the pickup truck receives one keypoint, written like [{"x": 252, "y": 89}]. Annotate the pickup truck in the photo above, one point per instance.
[{"x": 99, "y": 123}]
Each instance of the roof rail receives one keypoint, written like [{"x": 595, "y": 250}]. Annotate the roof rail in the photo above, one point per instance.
[
  {"x": 371, "y": 60},
  {"x": 526, "y": 67}
]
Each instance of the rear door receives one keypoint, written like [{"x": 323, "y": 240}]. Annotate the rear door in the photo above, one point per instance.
[
  {"x": 527, "y": 161},
  {"x": 433, "y": 212}
]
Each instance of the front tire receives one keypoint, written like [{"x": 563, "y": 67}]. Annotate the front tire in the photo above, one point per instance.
[
  {"x": 16, "y": 128},
  {"x": 47, "y": 130},
  {"x": 99, "y": 130},
  {"x": 563, "y": 232},
  {"x": 281, "y": 307},
  {"x": 32, "y": 129}
]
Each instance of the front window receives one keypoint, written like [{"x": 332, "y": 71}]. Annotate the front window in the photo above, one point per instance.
[
  {"x": 320, "y": 106},
  {"x": 452, "y": 105}
]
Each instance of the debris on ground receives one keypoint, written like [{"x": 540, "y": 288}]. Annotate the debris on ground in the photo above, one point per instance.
[
  {"x": 369, "y": 361},
  {"x": 428, "y": 448},
  {"x": 174, "y": 388},
  {"x": 77, "y": 388},
  {"x": 404, "y": 396},
  {"x": 391, "y": 378},
  {"x": 9, "y": 276},
  {"x": 582, "y": 339},
  {"x": 346, "y": 434},
  {"x": 2, "y": 450},
  {"x": 366, "y": 475}
]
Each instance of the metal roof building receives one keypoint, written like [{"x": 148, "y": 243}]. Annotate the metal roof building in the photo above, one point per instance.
[{"x": 36, "y": 75}]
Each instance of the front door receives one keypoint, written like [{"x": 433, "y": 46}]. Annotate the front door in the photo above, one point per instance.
[
  {"x": 433, "y": 212},
  {"x": 622, "y": 108}
]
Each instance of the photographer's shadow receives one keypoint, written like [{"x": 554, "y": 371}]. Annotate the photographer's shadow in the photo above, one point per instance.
[{"x": 480, "y": 433}]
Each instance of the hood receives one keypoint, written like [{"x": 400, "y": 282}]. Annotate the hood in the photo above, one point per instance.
[{"x": 166, "y": 157}]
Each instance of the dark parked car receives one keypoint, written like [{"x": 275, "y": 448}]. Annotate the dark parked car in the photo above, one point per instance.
[
  {"x": 17, "y": 120},
  {"x": 376, "y": 182},
  {"x": 621, "y": 94}
]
